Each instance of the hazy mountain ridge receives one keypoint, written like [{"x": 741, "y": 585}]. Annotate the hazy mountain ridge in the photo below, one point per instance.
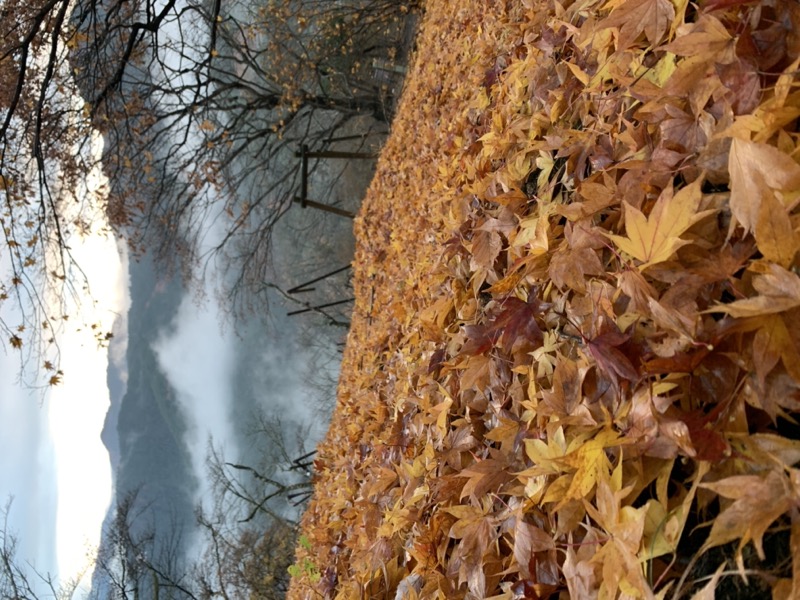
[{"x": 144, "y": 430}]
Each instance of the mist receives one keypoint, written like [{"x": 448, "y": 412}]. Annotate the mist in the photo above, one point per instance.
[{"x": 197, "y": 358}]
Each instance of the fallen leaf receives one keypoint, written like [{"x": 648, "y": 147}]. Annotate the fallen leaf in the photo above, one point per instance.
[
  {"x": 757, "y": 171},
  {"x": 758, "y": 502},
  {"x": 779, "y": 292},
  {"x": 776, "y": 238},
  {"x": 634, "y": 17},
  {"x": 655, "y": 238}
]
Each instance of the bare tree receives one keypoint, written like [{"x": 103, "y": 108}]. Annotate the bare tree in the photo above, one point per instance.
[
  {"x": 230, "y": 94},
  {"x": 138, "y": 561},
  {"x": 201, "y": 107},
  {"x": 249, "y": 532}
]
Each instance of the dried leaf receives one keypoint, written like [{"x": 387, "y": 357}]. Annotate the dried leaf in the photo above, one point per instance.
[
  {"x": 655, "y": 238},
  {"x": 758, "y": 502},
  {"x": 779, "y": 292},
  {"x": 777, "y": 240},
  {"x": 759, "y": 171},
  {"x": 634, "y": 17}
]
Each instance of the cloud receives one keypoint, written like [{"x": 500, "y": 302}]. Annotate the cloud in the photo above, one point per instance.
[{"x": 197, "y": 359}]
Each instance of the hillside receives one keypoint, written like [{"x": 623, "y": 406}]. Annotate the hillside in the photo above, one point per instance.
[{"x": 573, "y": 369}]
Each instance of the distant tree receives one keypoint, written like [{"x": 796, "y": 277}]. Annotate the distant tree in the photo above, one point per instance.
[
  {"x": 246, "y": 562},
  {"x": 246, "y": 535},
  {"x": 134, "y": 563},
  {"x": 137, "y": 562},
  {"x": 15, "y": 581},
  {"x": 249, "y": 530}
]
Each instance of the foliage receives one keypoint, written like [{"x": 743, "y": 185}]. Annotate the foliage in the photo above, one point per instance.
[
  {"x": 49, "y": 184},
  {"x": 573, "y": 367}
]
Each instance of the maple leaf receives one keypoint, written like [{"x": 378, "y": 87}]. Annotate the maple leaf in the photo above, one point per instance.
[
  {"x": 772, "y": 342},
  {"x": 707, "y": 443},
  {"x": 516, "y": 326},
  {"x": 708, "y": 37},
  {"x": 758, "y": 171},
  {"x": 591, "y": 463},
  {"x": 529, "y": 539},
  {"x": 779, "y": 292},
  {"x": 485, "y": 475},
  {"x": 479, "y": 339},
  {"x": 486, "y": 245},
  {"x": 758, "y": 502},
  {"x": 775, "y": 236},
  {"x": 605, "y": 349},
  {"x": 634, "y": 17},
  {"x": 656, "y": 238}
]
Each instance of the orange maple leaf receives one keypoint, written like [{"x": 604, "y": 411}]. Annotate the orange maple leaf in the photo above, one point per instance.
[
  {"x": 656, "y": 238},
  {"x": 634, "y": 17}
]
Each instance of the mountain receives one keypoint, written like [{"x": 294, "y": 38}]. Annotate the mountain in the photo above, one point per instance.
[{"x": 145, "y": 428}]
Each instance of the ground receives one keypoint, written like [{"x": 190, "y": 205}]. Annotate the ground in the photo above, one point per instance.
[{"x": 581, "y": 226}]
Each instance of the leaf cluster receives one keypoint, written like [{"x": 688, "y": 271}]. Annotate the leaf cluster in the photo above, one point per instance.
[{"x": 575, "y": 336}]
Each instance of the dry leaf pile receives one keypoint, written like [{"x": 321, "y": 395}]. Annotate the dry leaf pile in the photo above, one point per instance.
[{"x": 574, "y": 367}]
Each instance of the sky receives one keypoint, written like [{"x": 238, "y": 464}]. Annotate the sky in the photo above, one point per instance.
[{"x": 54, "y": 464}]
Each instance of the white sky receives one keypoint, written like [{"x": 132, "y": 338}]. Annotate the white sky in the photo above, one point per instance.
[
  {"x": 77, "y": 409},
  {"x": 53, "y": 462}
]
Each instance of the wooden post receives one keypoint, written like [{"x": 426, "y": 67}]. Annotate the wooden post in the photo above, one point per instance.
[
  {"x": 299, "y": 289},
  {"x": 304, "y": 155},
  {"x": 304, "y": 176},
  {"x": 304, "y": 202},
  {"x": 310, "y": 308}
]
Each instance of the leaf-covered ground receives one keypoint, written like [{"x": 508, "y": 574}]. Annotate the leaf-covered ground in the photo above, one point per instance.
[{"x": 574, "y": 366}]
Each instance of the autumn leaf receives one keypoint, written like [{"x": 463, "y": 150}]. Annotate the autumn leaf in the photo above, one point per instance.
[
  {"x": 606, "y": 349},
  {"x": 591, "y": 464},
  {"x": 485, "y": 475},
  {"x": 771, "y": 343},
  {"x": 708, "y": 37},
  {"x": 527, "y": 540},
  {"x": 516, "y": 326},
  {"x": 775, "y": 235},
  {"x": 655, "y": 238},
  {"x": 779, "y": 291},
  {"x": 485, "y": 248},
  {"x": 479, "y": 339},
  {"x": 634, "y": 17},
  {"x": 759, "y": 171},
  {"x": 758, "y": 502}
]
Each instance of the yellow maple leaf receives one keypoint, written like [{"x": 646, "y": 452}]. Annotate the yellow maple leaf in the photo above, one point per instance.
[{"x": 655, "y": 238}]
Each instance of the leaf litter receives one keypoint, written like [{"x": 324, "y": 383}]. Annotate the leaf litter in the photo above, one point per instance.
[{"x": 574, "y": 364}]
